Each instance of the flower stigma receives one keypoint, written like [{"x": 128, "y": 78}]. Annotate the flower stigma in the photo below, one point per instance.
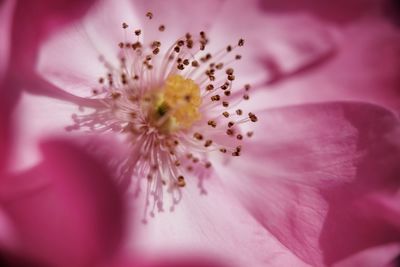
[{"x": 177, "y": 108}]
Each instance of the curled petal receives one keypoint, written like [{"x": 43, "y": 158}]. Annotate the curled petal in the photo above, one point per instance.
[
  {"x": 67, "y": 211},
  {"x": 312, "y": 176}
]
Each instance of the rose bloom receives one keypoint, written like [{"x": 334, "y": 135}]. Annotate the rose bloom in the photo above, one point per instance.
[{"x": 261, "y": 131}]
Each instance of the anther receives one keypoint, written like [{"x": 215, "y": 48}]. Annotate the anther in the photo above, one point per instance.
[
  {"x": 253, "y": 117},
  {"x": 208, "y": 143},
  {"x": 239, "y": 112},
  {"x": 228, "y": 48},
  {"x": 227, "y": 93},
  {"x": 210, "y": 87},
  {"x": 212, "y": 123},
  {"x": 195, "y": 63},
  {"x": 124, "y": 25},
  {"x": 198, "y": 136},
  {"x": 239, "y": 137},
  {"x": 226, "y": 114},
  {"x": 161, "y": 28},
  {"x": 215, "y": 98},
  {"x": 181, "y": 181},
  {"x": 149, "y": 15},
  {"x": 230, "y": 132},
  {"x": 249, "y": 134},
  {"x": 246, "y": 97},
  {"x": 230, "y": 124},
  {"x": 225, "y": 104},
  {"x": 241, "y": 42},
  {"x": 138, "y": 32}
]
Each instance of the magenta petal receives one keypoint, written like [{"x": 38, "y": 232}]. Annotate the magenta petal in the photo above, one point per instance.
[
  {"x": 67, "y": 211},
  {"x": 313, "y": 172},
  {"x": 34, "y": 21}
]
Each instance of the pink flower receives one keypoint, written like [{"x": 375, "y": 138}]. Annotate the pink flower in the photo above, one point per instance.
[
  {"x": 316, "y": 185},
  {"x": 64, "y": 213}
]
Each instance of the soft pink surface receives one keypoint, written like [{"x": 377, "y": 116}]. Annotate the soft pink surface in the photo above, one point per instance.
[
  {"x": 323, "y": 179},
  {"x": 66, "y": 211},
  {"x": 318, "y": 183}
]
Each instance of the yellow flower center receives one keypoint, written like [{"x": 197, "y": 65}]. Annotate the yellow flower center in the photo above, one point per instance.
[{"x": 177, "y": 106}]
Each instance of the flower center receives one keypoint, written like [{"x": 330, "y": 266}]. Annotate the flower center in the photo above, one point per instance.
[
  {"x": 177, "y": 108},
  {"x": 177, "y": 105}
]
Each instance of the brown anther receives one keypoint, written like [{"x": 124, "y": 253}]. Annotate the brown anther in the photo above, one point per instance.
[
  {"x": 241, "y": 42},
  {"x": 239, "y": 112},
  {"x": 247, "y": 87},
  {"x": 253, "y": 117},
  {"x": 198, "y": 136},
  {"x": 163, "y": 182},
  {"x": 228, "y": 48},
  {"x": 148, "y": 57},
  {"x": 101, "y": 80},
  {"x": 95, "y": 92},
  {"x": 212, "y": 123},
  {"x": 155, "y": 44},
  {"x": 226, "y": 114},
  {"x": 176, "y": 142},
  {"x": 128, "y": 45},
  {"x": 239, "y": 137},
  {"x": 215, "y": 98},
  {"x": 149, "y": 15},
  {"x": 238, "y": 57},
  {"x": 208, "y": 165},
  {"x": 230, "y": 124},
  {"x": 189, "y": 168},
  {"x": 224, "y": 87},
  {"x": 125, "y": 25},
  {"x": 219, "y": 66},
  {"x": 181, "y": 181},
  {"x": 136, "y": 77},
  {"x": 249, "y": 134},
  {"x": 121, "y": 45},
  {"x": 136, "y": 45},
  {"x": 188, "y": 35},
  {"x": 161, "y": 28},
  {"x": 230, "y": 132},
  {"x": 189, "y": 43},
  {"x": 189, "y": 156},
  {"x": 229, "y": 71},
  {"x": 156, "y": 51},
  {"x": 208, "y": 143},
  {"x": 181, "y": 67},
  {"x": 236, "y": 154},
  {"x": 246, "y": 97},
  {"x": 223, "y": 150},
  {"x": 227, "y": 93},
  {"x": 177, "y": 49},
  {"x": 177, "y": 163},
  {"x": 195, "y": 63},
  {"x": 210, "y": 87},
  {"x": 195, "y": 160},
  {"x": 231, "y": 77},
  {"x": 186, "y": 62},
  {"x": 202, "y": 34},
  {"x": 179, "y": 60},
  {"x": 138, "y": 32},
  {"x": 180, "y": 43},
  {"x": 225, "y": 104},
  {"x": 202, "y": 47}
]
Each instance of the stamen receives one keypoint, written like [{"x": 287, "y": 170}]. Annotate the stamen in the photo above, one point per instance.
[{"x": 170, "y": 104}]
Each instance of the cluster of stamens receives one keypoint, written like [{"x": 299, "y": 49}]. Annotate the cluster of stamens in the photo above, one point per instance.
[{"x": 175, "y": 105}]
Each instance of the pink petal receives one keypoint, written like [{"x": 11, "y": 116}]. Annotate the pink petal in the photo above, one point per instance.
[
  {"x": 34, "y": 21},
  {"x": 70, "y": 58},
  {"x": 356, "y": 73},
  {"x": 6, "y": 12},
  {"x": 339, "y": 11},
  {"x": 214, "y": 224},
  {"x": 67, "y": 211},
  {"x": 311, "y": 173}
]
